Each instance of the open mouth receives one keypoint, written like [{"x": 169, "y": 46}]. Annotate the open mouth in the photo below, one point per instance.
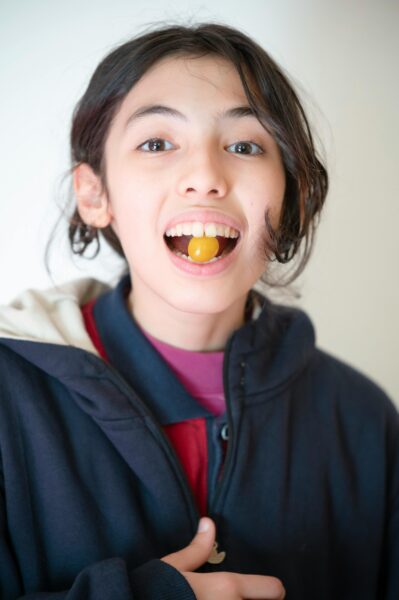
[{"x": 178, "y": 239}]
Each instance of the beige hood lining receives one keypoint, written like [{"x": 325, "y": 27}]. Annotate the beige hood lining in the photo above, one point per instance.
[{"x": 52, "y": 315}]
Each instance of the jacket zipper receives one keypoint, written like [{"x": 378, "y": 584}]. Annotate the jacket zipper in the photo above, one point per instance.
[
  {"x": 221, "y": 484},
  {"x": 170, "y": 451}
]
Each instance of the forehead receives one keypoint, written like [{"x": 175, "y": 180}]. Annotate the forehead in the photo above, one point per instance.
[{"x": 181, "y": 79}]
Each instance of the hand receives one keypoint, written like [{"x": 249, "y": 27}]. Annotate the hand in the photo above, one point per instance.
[{"x": 229, "y": 586}]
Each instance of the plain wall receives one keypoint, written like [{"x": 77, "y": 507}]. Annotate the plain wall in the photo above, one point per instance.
[{"x": 343, "y": 57}]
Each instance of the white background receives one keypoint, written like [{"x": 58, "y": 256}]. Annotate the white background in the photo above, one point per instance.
[{"x": 344, "y": 58}]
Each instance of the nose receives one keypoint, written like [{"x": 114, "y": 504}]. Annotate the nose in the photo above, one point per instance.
[{"x": 202, "y": 176}]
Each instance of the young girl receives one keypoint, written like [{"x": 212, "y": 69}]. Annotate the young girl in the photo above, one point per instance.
[{"x": 127, "y": 414}]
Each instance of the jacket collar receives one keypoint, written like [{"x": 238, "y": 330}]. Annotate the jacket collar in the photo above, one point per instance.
[
  {"x": 266, "y": 353},
  {"x": 129, "y": 350}
]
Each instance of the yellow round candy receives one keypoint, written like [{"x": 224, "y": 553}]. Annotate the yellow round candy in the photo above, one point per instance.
[{"x": 203, "y": 249}]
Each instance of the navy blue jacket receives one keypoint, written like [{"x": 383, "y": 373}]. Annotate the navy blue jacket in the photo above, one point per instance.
[{"x": 92, "y": 494}]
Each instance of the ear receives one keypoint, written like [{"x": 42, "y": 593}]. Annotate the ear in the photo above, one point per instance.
[{"x": 92, "y": 202}]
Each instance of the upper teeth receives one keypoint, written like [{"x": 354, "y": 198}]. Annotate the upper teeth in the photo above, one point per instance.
[{"x": 198, "y": 229}]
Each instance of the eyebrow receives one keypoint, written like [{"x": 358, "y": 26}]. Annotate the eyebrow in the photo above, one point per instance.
[{"x": 238, "y": 112}]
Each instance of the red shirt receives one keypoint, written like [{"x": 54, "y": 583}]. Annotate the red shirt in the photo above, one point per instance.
[{"x": 201, "y": 373}]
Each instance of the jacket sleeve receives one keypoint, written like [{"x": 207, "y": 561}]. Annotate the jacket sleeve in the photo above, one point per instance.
[
  {"x": 109, "y": 579},
  {"x": 390, "y": 560}
]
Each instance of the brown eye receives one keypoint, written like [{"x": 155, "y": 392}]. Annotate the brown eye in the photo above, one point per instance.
[
  {"x": 155, "y": 145},
  {"x": 249, "y": 148}
]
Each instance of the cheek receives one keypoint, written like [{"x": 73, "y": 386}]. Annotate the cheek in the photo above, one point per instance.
[
  {"x": 135, "y": 220},
  {"x": 275, "y": 198},
  {"x": 125, "y": 223},
  {"x": 265, "y": 198},
  {"x": 266, "y": 195}
]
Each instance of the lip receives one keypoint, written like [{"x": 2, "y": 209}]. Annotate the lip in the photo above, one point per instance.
[
  {"x": 195, "y": 269},
  {"x": 204, "y": 216}
]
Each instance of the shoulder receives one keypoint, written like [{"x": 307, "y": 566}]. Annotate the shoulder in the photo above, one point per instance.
[
  {"x": 281, "y": 341},
  {"x": 21, "y": 380},
  {"x": 11, "y": 362},
  {"x": 349, "y": 391}
]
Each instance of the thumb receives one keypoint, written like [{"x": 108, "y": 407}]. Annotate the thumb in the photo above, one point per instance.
[{"x": 198, "y": 551}]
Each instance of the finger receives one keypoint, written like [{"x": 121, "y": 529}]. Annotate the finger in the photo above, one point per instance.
[
  {"x": 234, "y": 585},
  {"x": 198, "y": 551},
  {"x": 259, "y": 586}
]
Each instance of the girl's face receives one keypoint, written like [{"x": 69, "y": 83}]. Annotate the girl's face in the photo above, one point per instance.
[{"x": 205, "y": 164}]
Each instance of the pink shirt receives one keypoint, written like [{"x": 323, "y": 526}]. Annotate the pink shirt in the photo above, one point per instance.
[{"x": 201, "y": 373}]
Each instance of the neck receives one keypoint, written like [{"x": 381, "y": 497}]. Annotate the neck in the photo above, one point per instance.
[{"x": 197, "y": 332}]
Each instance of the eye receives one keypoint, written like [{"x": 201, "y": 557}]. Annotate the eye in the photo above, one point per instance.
[
  {"x": 249, "y": 148},
  {"x": 155, "y": 145}
]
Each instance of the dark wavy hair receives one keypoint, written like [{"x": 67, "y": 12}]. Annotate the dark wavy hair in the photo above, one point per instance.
[{"x": 271, "y": 97}]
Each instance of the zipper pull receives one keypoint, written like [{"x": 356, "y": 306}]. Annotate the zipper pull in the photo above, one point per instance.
[{"x": 216, "y": 557}]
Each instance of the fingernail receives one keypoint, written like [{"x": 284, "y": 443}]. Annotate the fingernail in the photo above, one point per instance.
[{"x": 203, "y": 526}]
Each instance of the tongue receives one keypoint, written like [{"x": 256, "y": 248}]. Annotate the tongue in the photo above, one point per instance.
[{"x": 180, "y": 243}]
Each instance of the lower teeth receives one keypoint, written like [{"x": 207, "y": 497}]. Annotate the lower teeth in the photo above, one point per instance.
[{"x": 189, "y": 259}]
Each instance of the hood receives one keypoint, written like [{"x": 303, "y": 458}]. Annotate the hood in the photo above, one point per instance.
[{"x": 51, "y": 316}]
